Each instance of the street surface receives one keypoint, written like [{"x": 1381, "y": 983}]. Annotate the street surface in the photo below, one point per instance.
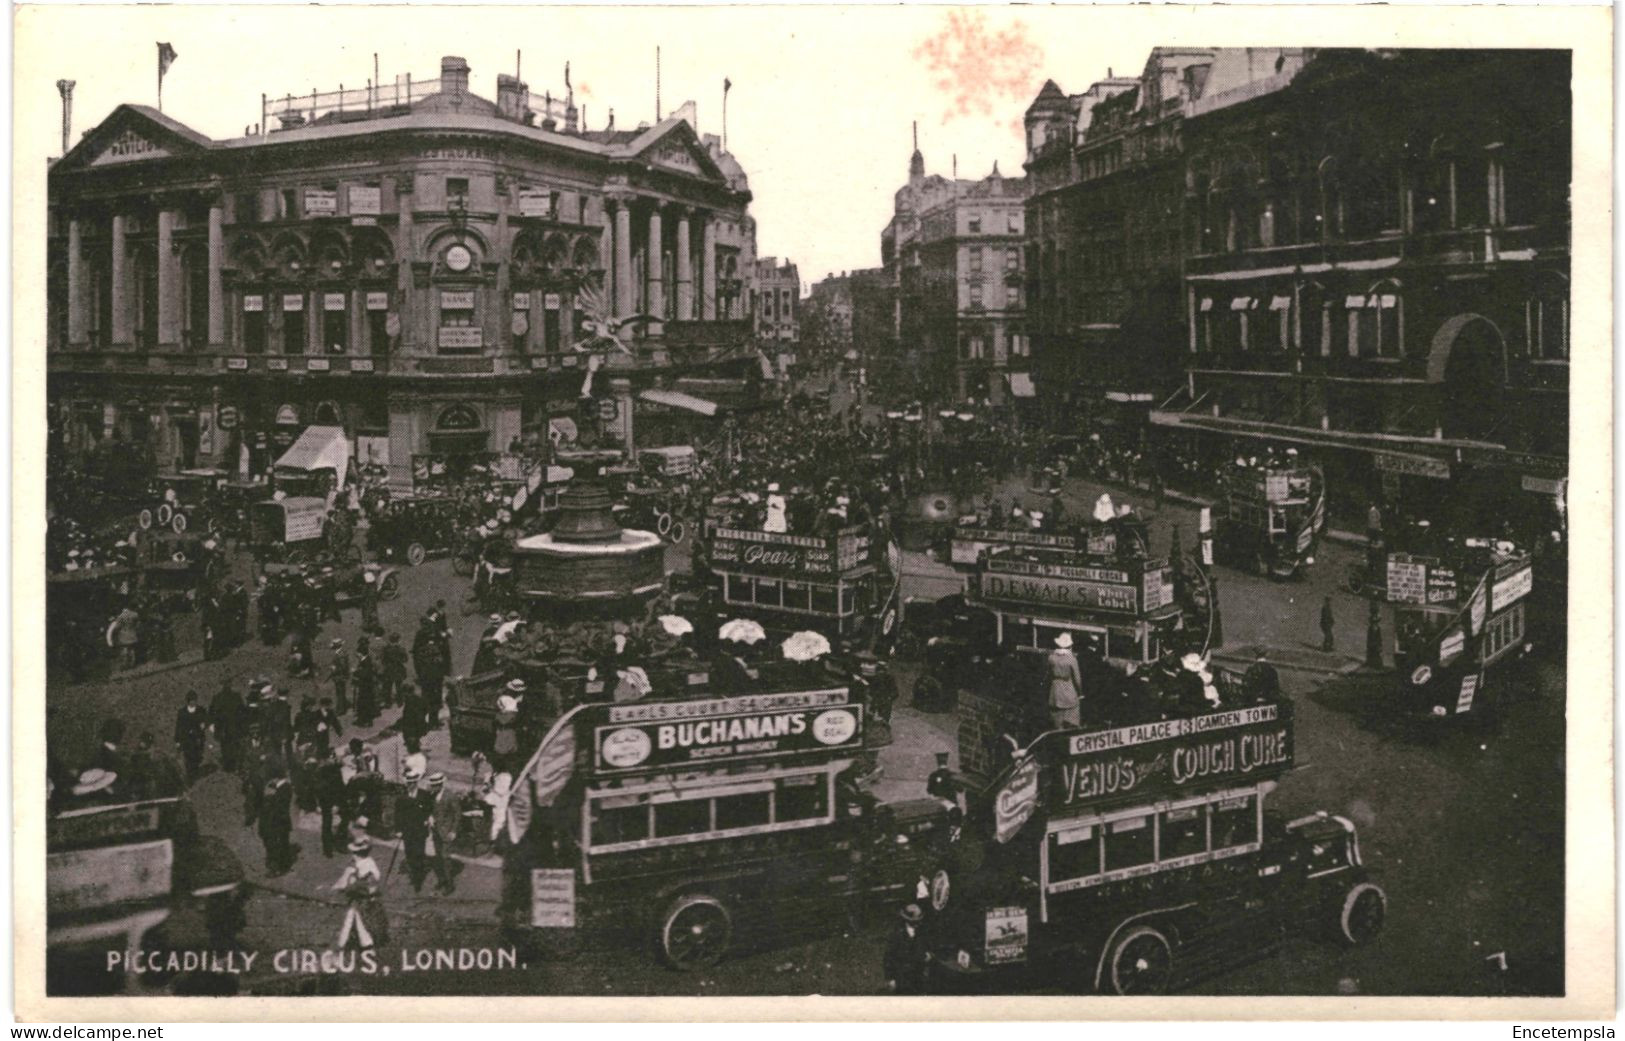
[{"x": 1464, "y": 828}]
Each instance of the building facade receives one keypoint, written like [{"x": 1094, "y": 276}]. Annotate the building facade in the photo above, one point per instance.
[
  {"x": 413, "y": 265},
  {"x": 1105, "y": 224},
  {"x": 777, "y": 310},
  {"x": 1378, "y": 272}
]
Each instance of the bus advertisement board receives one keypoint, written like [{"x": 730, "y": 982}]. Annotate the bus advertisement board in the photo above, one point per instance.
[
  {"x": 707, "y": 741},
  {"x": 1156, "y": 759}
]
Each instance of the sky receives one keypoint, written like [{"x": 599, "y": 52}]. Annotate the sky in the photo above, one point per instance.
[{"x": 819, "y": 114}]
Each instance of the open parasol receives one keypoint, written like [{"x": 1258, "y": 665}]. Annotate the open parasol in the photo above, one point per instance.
[
  {"x": 806, "y": 646},
  {"x": 676, "y": 625},
  {"x": 742, "y": 630}
]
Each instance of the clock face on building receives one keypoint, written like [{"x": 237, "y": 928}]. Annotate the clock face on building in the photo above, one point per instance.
[{"x": 458, "y": 258}]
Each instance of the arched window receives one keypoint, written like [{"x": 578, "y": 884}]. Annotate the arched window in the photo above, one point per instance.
[
  {"x": 458, "y": 419},
  {"x": 1314, "y": 319},
  {"x": 328, "y": 414},
  {"x": 1379, "y": 324}
]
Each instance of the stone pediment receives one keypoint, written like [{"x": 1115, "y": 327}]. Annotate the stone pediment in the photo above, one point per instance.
[
  {"x": 133, "y": 134},
  {"x": 679, "y": 152}
]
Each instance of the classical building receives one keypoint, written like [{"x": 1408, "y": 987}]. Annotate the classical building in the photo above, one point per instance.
[
  {"x": 1377, "y": 272},
  {"x": 953, "y": 250},
  {"x": 1104, "y": 221},
  {"x": 412, "y": 263}
]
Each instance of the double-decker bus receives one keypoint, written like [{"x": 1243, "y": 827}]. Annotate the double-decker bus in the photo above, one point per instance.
[
  {"x": 1136, "y": 859},
  {"x": 1459, "y": 625},
  {"x": 127, "y": 876},
  {"x": 702, "y": 824},
  {"x": 839, "y": 584},
  {"x": 1269, "y": 517}
]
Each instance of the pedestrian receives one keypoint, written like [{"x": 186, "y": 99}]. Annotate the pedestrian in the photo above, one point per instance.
[
  {"x": 906, "y": 962},
  {"x": 1065, "y": 684},
  {"x": 441, "y": 822},
  {"x": 109, "y": 755},
  {"x": 191, "y": 734},
  {"x": 369, "y": 603},
  {"x": 505, "y": 735},
  {"x": 330, "y": 799},
  {"x": 338, "y": 672},
  {"x": 430, "y": 665},
  {"x": 226, "y": 715},
  {"x": 414, "y": 721},
  {"x": 276, "y": 721},
  {"x": 365, "y": 925},
  {"x": 276, "y": 825},
  {"x": 364, "y": 677},
  {"x": 392, "y": 669},
  {"x": 1328, "y": 624},
  {"x": 412, "y": 825},
  {"x": 1373, "y": 637},
  {"x": 125, "y": 633},
  {"x": 255, "y": 776}
]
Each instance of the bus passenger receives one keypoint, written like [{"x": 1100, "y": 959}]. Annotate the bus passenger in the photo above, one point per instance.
[{"x": 1066, "y": 684}]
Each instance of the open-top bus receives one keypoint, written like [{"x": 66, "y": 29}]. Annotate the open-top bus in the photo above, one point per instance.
[
  {"x": 1269, "y": 517},
  {"x": 1459, "y": 625},
  {"x": 1135, "y": 859},
  {"x": 703, "y": 824}
]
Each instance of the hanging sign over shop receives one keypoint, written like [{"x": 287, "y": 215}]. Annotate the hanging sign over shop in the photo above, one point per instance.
[
  {"x": 293, "y": 301},
  {"x": 1416, "y": 466},
  {"x": 333, "y": 302},
  {"x": 378, "y": 301},
  {"x": 456, "y": 299},
  {"x": 550, "y": 302},
  {"x": 254, "y": 302}
]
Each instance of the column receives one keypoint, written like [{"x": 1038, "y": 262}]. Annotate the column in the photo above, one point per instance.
[
  {"x": 685, "y": 271},
  {"x": 656, "y": 252},
  {"x": 123, "y": 332},
  {"x": 169, "y": 282},
  {"x": 623, "y": 258},
  {"x": 405, "y": 254},
  {"x": 217, "y": 260},
  {"x": 501, "y": 315},
  {"x": 78, "y": 331},
  {"x": 708, "y": 273}
]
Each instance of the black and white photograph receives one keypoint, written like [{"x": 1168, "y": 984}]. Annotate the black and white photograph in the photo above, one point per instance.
[{"x": 972, "y": 503}]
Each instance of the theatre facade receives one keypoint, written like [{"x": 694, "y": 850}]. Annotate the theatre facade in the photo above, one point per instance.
[{"x": 414, "y": 264}]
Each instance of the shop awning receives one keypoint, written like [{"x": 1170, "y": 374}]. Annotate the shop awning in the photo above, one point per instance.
[
  {"x": 319, "y": 448},
  {"x": 1021, "y": 385},
  {"x": 677, "y": 399}
]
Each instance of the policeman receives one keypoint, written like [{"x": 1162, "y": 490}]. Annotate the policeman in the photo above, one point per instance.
[
  {"x": 191, "y": 734},
  {"x": 339, "y": 673}
]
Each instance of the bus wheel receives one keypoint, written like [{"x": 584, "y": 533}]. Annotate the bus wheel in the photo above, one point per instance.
[
  {"x": 1360, "y": 919},
  {"x": 663, "y": 523},
  {"x": 677, "y": 532},
  {"x": 1142, "y": 962},
  {"x": 416, "y": 554},
  {"x": 695, "y": 932}
]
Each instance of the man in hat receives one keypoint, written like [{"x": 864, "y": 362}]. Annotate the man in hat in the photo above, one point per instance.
[
  {"x": 191, "y": 734},
  {"x": 906, "y": 962},
  {"x": 109, "y": 755},
  {"x": 338, "y": 671},
  {"x": 412, "y": 824},
  {"x": 364, "y": 676},
  {"x": 414, "y": 721},
  {"x": 943, "y": 786},
  {"x": 1261, "y": 680},
  {"x": 1328, "y": 625},
  {"x": 440, "y": 814},
  {"x": 369, "y": 602},
  {"x": 362, "y": 884},
  {"x": 430, "y": 667},
  {"x": 1190, "y": 686},
  {"x": 1065, "y": 684},
  {"x": 392, "y": 669},
  {"x": 330, "y": 799},
  {"x": 485, "y": 656},
  {"x": 276, "y": 720},
  {"x": 276, "y": 825}
]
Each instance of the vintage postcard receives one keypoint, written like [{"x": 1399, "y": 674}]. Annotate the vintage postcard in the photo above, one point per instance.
[{"x": 816, "y": 512}]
